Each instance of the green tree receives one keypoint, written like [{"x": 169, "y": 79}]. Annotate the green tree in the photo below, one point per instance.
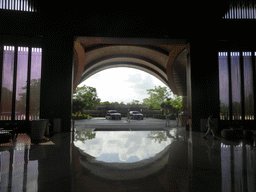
[
  {"x": 85, "y": 98},
  {"x": 157, "y": 136},
  {"x": 249, "y": 106},
  {"x": 86, "y": 135},
  {"x": 156, "y": 97},
  {"x": 115, "y": 103},
  {"x": 237, "y": 110},
  {"x": 134, "y": 102},
  {"x": 34, "y": 103},
  {"x": 105, "y": 103},
  {"x": 172, "y": 105},
  {"x": 224, "y": 111}
]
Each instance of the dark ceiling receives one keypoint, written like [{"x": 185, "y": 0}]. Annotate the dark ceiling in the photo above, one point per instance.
[{"x": 120, "y": 20}]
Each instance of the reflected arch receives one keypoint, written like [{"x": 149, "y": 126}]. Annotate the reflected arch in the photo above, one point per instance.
[{"x": 122, "y": 158}]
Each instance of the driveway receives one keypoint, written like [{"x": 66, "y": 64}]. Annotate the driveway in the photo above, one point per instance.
[{"x": 104, "y": 124}]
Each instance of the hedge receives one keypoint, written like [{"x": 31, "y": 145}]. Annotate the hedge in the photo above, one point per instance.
[{"x": 81, "y": 116}]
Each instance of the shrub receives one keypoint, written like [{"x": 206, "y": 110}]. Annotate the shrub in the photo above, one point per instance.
[{"x": 81, "y": 116}]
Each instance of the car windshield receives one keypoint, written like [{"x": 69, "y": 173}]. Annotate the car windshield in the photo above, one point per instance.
[
  {"x": 112, "y": 111},
  {"x": 136, "y": 112}
]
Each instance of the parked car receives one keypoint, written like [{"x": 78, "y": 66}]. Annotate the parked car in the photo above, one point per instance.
[
  {"x": 136, "y": 115},
  {"x": 113, "y": 114}
]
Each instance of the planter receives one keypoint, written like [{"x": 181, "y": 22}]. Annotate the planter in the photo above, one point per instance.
[{"x": 37, "y": 129}]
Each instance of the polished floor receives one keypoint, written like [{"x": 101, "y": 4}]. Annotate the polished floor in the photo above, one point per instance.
[{"x": 134, "y": 161}]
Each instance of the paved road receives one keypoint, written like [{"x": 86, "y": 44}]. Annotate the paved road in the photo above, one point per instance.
[{"x": 104, "y": 124}]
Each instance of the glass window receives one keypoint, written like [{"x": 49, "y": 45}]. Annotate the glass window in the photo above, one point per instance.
[
  {"x": 7, "y": 82},
  {"x": 35, "y": 83},
  {"x": 224, "y": 85},
  {"x": 236, "y": 86},
  {"x": 248, "y": 86},
  {"x": 17, "y": 78},
  {"x": 240, "y": 66},
  {"x": 21, "y": 83}
]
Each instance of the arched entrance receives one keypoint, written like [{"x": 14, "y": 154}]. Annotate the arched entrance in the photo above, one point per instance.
[{"x": 163, "y": 58}]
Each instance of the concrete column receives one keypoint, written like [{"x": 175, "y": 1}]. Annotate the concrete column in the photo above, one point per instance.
[
  {"x": 57, "y": 79},
  {"x": 202, "y": 81}
]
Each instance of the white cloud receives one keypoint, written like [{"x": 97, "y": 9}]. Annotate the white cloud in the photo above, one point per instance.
[
  {"x": 125, "y": 144},
  {"x": 122, "y": 84}
]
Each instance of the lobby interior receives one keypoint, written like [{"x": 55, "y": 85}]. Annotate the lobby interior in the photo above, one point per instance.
[{"x": 201, "y": 53}]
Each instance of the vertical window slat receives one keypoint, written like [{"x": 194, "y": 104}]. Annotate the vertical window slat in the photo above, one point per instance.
[
  {"x": 18, "y": 5},
  {"x": 21, "y": 85},
  {"x": 35, "y": 78},
  {"x": 7, "y": 83},
  {"x": 236, "y": 86},
  {"x": 245, "y": 9},
  {"x": 224, "y": 86},
  {"x": 248, "y": 86}
]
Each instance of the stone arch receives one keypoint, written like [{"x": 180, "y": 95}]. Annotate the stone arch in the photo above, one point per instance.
[
  {"x": 176, "y": 70},
  {"x": 159, "y": 58},
  {"x": 133, "y": 62}
]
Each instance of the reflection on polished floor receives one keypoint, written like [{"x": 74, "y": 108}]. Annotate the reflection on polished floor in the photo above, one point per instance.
[{"x": 164, "y": 160}]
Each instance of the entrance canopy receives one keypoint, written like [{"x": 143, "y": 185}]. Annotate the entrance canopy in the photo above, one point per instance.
[{"x": 163, "y": 58}]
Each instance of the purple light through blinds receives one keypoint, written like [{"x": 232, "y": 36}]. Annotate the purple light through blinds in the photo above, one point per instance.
[
  {"x": 224, "y": 85},
  {"x": 236, "y": 86},
  {"x": 35, "y": 82},
  {"x": 248, "y": 86},
  {"x": 21, "y": 83},
  {"x": 7, "y": 82}
]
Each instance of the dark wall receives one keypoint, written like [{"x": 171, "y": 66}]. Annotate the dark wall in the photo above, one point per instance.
[
  {"x": 58, "y": 24},
  {"x": 99, "y": 19},
  {"x": 57, "y": 80},
  {"x": 204, "y": 83}
]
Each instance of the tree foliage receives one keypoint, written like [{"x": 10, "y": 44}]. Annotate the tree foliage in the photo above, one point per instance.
[
  {"x": 134, "y": 102},
  {"x": 172, "y": 105},
  {"x": 156, "y": 97},
  {"x": 83, "y": 136},
  {"x": 85, "y": 98},
  {"x": 34, "y": 103},
  {"x": 157, "y": 136}
]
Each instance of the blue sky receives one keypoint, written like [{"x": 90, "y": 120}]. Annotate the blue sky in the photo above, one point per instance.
[{"x": 122, "y": 84}]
